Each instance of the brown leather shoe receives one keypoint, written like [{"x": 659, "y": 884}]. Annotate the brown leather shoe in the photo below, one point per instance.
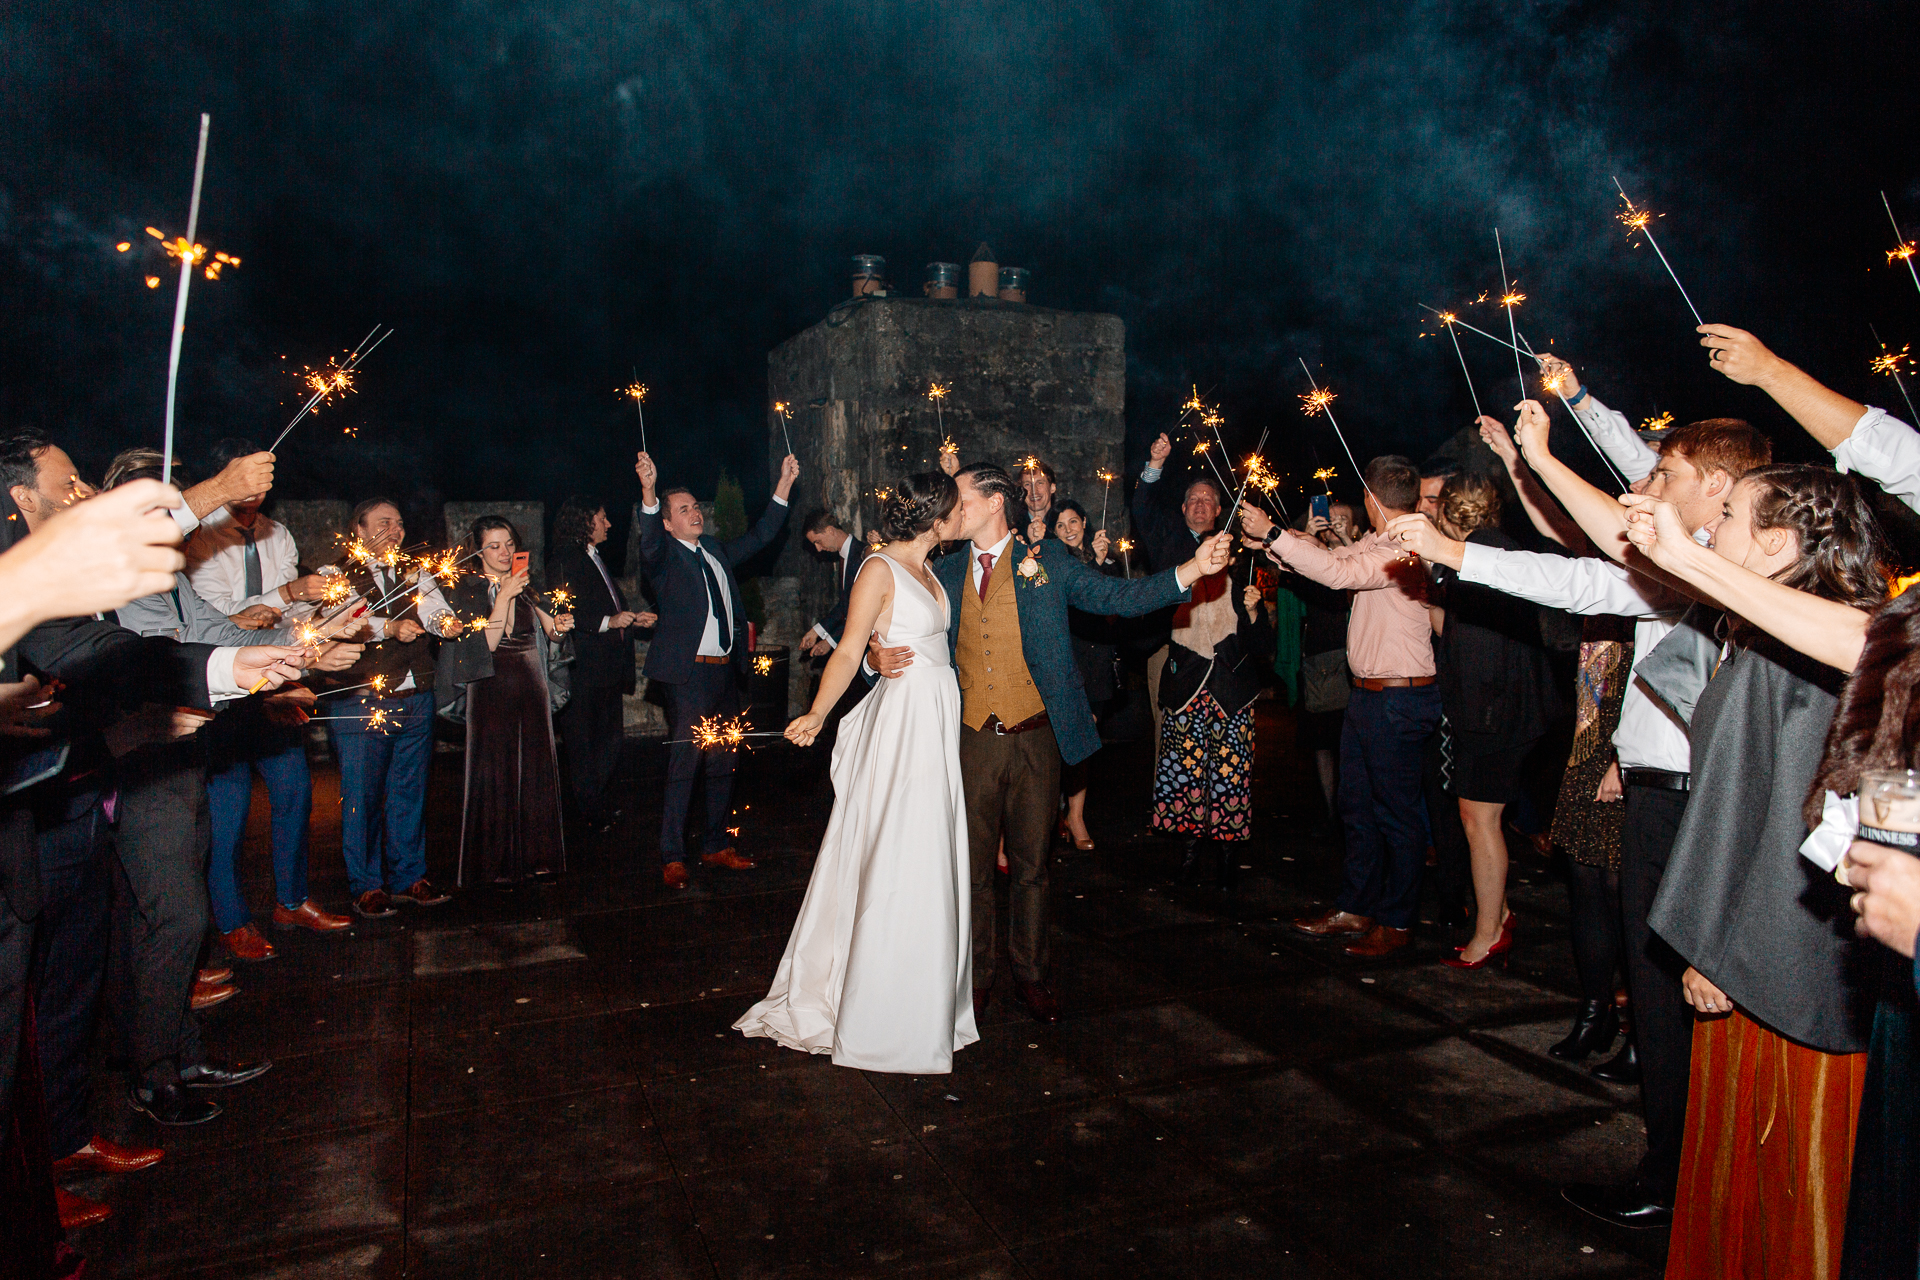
[
  {"x": 308, "y": 916},
  {"x": 102, "y": 1156},
  {"x": 1380, "y": 940},
  {"x": 675, "y": 875},
  {"x": 1332, "y": 924},
  {"x": 245, "y": 943},
  {"x": 78, "y": 1211},
  {"x": 224, "y": 973},
  {"x": 727, "y": 858},
  {"x": 421, "y": 894},
  {"x": 208, "y": 994},
  {"x": 374, "y": 904}
]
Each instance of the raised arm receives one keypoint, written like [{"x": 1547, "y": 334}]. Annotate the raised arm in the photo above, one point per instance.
[
  {"x": 653, "y": 534},
  {"x": 1358, "y": 568},
  {"x": 871, "y": 596},
  {"x": 1541, "y": 509},
  {"x": 1600, "y": 517},
  {"x": 1585, "y": 585},
  {"x": 756, "y": 539},
  {"x": 1870, "y": 441},
  {"x": 1607, "y": 428},
  {"x": 1825, "y": 630}
]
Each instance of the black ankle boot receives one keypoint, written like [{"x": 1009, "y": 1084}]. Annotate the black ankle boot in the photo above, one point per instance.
[
  {"x": 1593, "y": 1031},
  {"x": 1622, "y": 1068},
  {"x": 1192, "y": 849}
]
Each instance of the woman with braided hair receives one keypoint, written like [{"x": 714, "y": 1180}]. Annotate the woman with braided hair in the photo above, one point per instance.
[
  {"x": 878, "y": 970},
  {"x": 1780, "y": 984}
]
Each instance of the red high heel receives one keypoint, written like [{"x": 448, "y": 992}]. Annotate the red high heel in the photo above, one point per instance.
[{"x": 1501, "y": 948}]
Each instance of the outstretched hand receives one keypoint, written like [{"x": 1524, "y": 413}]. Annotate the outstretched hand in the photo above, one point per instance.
[
  {"x": 1656, "y": 529},
  {"x": 1421, "y": 537},
  {"x": 802, "y": 731}
]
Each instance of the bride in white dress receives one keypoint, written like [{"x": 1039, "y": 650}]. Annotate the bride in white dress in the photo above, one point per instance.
[{"x": 878, "y": 971}]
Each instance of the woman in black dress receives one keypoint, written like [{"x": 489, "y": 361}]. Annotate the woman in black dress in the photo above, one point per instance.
[
  {"x": 511, "y": 826},
  {"x": 1094, "y": 638},
  {"x": 1497, "y": 689}
]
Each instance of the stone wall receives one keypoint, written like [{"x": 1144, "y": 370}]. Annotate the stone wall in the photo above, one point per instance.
[
  {"x": 316, "y": 524},
  {"x": 529, "y": 517},
  {"x": 1021, "y": 380}
]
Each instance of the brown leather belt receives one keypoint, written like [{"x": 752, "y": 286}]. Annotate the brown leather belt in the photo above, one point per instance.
[
  {"x": 1025, "y": 726},
  {"x": 720, "y": 661},
  {"x": 1377, "y": 683}
]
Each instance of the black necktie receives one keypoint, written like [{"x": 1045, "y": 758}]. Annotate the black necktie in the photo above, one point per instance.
[
  {"x": 253, "y": 565},
  {"x": 613, "y": 588},
  {"x": 714, "y": 602}
]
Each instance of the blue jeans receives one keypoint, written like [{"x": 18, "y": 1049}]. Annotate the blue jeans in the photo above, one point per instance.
[
  {"x": 1381, "y": 807},
  {"x": 233, "y": 754},
  {"x": 383, "y": 792}
]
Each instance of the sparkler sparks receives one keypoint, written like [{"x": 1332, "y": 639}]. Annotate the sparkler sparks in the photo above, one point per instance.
[
  {"x": 186, "y": 253},
  {"x": 937, "y": 393},
  {"x": 1325, "y": 476},
  {"x": 1660, "y": 423},
  {"x": 1125, "y": 547},
  {"x": 636, "y": 391},
  {"x": 712, "y": 733},
  {"x": 1891, "y": 362},
  {"x": 786, "y": 415},
  {"x": 1201, "y": 446},
  {"x": 1029, "y": 463},
  {"x": 335, "y": 379},
  {"x": 763, "y": 665},
  {"x": 1316, "y": 401},
  {"x": 1636, "y": 219}
]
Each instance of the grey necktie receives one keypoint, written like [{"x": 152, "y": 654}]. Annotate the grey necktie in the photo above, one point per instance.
[{"x": 253, "y": 587}]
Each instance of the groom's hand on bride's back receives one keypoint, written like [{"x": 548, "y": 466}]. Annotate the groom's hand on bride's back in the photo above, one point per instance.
[{"x": 888, "y": 662}]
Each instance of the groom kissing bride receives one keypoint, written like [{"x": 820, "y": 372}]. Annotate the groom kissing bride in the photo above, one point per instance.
[{"x": 892, "y": 957}]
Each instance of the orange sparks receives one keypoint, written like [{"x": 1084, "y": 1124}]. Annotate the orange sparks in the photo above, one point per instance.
[
  {"x": 1106, "y": 475},
  {"x": 1904, "y": 251},
  {"x": 1634, "y": 218},
  {"x": 1512, "y": 298},
  {"x": 1660, "y": 423},
  {"x": 949, "y": 448},
  {"x": 1195, "y": 404},
  {"x": 1201, "y": 446},
  {"x": 1892, "y": 362},
  {"x": 153, "y": 282},
  {"x": 763, "y": 665},
  {"x": 123, "y": 246},
  {"x": 635, "y": 391},
  {"x": 1316, "y": 400},
  {"x": 1029, "y": 463},
  {"x": 937, "y": 393}
]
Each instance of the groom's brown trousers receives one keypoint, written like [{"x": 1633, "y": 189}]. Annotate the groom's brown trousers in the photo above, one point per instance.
[{"x": 1012, "y": 785}]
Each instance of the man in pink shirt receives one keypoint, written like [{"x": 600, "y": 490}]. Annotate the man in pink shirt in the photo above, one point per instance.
[{"x": 1393, "y": 711}]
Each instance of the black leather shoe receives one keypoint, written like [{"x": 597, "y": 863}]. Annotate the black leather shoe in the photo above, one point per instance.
[
  {"x": 172, "y": 1104},
  {"x": 214, "y": 1074},
  {"x": 1593, "y": 1031},
  {"x": 1622, "y": 1068},
  {"x": 1039, "y": 1001},
  {"x": 1631, "y": 1206}
]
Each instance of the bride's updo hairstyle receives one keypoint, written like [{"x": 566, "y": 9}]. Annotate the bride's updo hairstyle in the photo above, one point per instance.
[{"x": 915, "y": 504}]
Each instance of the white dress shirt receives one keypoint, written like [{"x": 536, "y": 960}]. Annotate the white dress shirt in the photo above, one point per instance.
[
  {"x": 1649, "y": 735},
  {"x": 1886, "y": 451},
  {"x": 388, "y": 596},
  {"x": 846, "y": 552},
  {"x": 217, "y": 565},
  {"x": 1608, "y": 428}
]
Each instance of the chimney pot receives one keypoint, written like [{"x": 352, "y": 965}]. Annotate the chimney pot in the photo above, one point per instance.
[{"x": 983, "y": 273}]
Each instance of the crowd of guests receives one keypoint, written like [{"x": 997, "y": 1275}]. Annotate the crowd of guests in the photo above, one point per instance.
[{"x": 1739, "y": 808}]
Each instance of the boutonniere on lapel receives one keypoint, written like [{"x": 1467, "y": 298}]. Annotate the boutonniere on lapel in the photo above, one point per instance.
[{"x": 1031, "y": 571}]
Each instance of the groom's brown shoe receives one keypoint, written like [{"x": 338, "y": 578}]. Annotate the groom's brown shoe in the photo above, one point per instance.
[
  {"x": 1040, "y": 1002},
  {"x": 727, "y": 858},
  {"x": 1333, "y": 923},
  {"x": 675, "y": 875}
]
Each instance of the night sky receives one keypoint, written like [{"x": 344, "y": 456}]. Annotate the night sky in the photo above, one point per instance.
[{"x": 542, "y": 198}]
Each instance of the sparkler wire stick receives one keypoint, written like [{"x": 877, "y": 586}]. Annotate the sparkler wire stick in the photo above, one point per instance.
[
  {"x": 1253, "y": 464},
  {"x": 1470, "y": 329},
  {"x": 1645, "y": 228},
  {"x": 1903, "y": 249},
  {"x": 187, "y": 257},
  {"x": 1625, "y": 485},
  {"x": 1463, "y": 368},
  {"x": 1326, "y": 407},
  {"x": 1508, "y": 301}
]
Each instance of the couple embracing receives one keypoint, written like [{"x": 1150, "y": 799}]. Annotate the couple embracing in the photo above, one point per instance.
[{"x": 892, "y": 956}]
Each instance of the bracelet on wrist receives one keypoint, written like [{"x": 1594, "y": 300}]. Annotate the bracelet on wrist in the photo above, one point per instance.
[{"x": 1577, "y": 396}]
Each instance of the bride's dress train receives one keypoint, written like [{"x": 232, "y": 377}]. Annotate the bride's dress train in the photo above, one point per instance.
[{"x": 878, "y": 971}]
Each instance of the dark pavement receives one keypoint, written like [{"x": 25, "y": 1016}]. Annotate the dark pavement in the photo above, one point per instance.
[{"x": 543, "y": 1082}]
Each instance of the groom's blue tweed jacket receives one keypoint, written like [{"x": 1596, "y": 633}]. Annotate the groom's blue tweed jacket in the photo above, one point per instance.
[{"x": 1043, "y": 625}]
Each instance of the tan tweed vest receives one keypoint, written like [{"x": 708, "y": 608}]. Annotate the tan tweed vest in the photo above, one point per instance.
[{"x": 992, "y": 668}]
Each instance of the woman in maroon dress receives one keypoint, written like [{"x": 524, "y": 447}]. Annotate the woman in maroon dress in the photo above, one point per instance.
[{"x": 511, "y": 828}]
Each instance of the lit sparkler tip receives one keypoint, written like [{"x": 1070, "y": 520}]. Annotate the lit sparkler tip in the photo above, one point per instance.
[
  {"x": 1660, "y": 423},
  {"x": 1106, "y": 475},
  {"x": 1904, "y": 251},
  {"x": 1125, "y": 544},
  {"x": 635, "y": 391},
  {"x": 937, "y": 392},
  {"x": 1029, "y": 463},
  {"x": 1316, "y": 400},
  {"x": 763, "y": 665},
  {"x": 1512, "y": 298},
  {"x": 1195, "y": 404},
  {"x": 1325, "y": 473},
  {"x": 1201, "y": 446}
]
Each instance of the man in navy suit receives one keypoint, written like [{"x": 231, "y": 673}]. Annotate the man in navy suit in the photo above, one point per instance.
[
  {"x": 824, "y": 534},
  {"x": 1011, "y": 772},
  {"x": 699, "y": 653}
]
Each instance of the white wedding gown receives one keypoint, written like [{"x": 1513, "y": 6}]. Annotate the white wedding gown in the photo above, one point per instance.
[{"x": 879, "y": 970}]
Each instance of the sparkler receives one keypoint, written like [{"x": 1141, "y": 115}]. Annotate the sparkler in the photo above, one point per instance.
[
  {"x": 336, "y": 378},
  {"x": 1325, "y": 476},
  {"x": 1660, "y": 423},
  {"x": 187, "y": 259},
  {"x": 1511, "y": 299},
  {"x": 786, "y": 415},
  {"x": 378, "y": 684},
  {"x": 1253, "y": 465},
  {"x": 1106, "y": 476},
  {"x": 1889, "y": 362},
  {"x": 763, "y": 665},
  {"x": 1553, "y": 384},
  {"x": 180, "y": 249},
  {"x": 637, "y": 390},
  {"x": 1126, "y": 547},
  {"x": 1449, "y": 319},
  {"x": 1320, "y": 400},
  {"x": 1903, "y": 248},
  {"x": 378, "y": 719},
  {"x": 1641, "y": 220},
  {"x": 711, "y": 733},
  {"x": 938, "y": 394}
]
